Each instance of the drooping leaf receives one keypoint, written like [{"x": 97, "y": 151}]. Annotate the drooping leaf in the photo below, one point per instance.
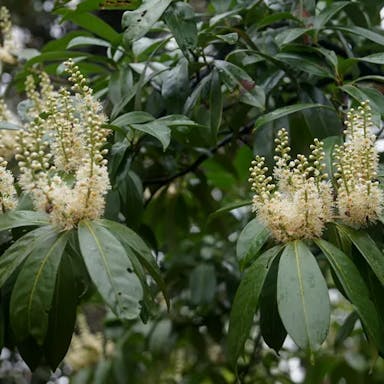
[
  {"x": 332, "y": 9},
  {"x": 368, "y": 249},
  {"x": 229, "y": 207},
  {"x": 110, "y": 269},
  {"x": 34, "y": 288},
  {"x": 9, "y": 126},
  {"x": 216, "y": 104},
  {"x": 283, "y": 111},
  {"x": 15, "y": 255},
  {"x": 237, "y": 79},
  {"x": 156, "y": 129},
  {"x": 356, "y": 290},
  {"x": 251, "y": 240},
  {"x": 134, "y": 241},
  {"x": 138, "y": 22},
  {"x": 271, "y": 326},
  {"x": 363, "y": 32},
  {"x": 180, "y": 19},
  {"x": 14, "y": 219},
  {"x": 62, "y": 316},
  {"x": 302, "y": 296},
  {"x": 346, "y": 329},
  {"x": 246, "y": 301},
  {"x": 289, "y": 35},
  {"x": 84, "y": 40}
]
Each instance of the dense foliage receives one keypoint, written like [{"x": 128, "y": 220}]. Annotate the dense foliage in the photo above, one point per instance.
[{"x": 179, "y": 282}]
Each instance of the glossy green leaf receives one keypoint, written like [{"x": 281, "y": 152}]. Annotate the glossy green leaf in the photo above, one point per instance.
[
  {"x": 271, "y": 326},
  {"x": 14, "y": 219},
  {"x": 302, "y": 296},
  {"x": 136, "y": 117},
  {"x": 368, "y": 249},
  {"x": 251, "y": 240},
  {"x": 331, "y": 10},
  {"x": 229, "y": 207},
  {"x": 284, "y": 111},
  {"x": 62, "y": 316},
  {"x": 375, "y": 58},
  {"x": 94, "y": 24},
  {"x": 346, "y": 329},
  {"x": 15, "y": 255},
  {"x": 157, "y": 129},
  {"x": 216, "y": 104},
  {"x": 110, "y": 269},
  {"x": 84, "y": 40},
  {"x": 356, "y": 290},
  {"x": 35, "y": 286},
  {"x": 238, "y": 80},
  {"x": 180, "y": 19},
  {"x": 134, "y": 241},
  {"x": 309, "y": 64},
  {"x": 138, "y": 22},
  {"x": 246, "y": 301},
  {"x": 363, "y": 32},
  {"x": 289, "y": 35}
]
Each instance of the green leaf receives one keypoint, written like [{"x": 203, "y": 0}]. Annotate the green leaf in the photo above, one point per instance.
[
  {"x": 251, "y": 240},
  {"x": 289, "y": 35},
  {"x": 271, "y": 326},
  {"x": 302, "y": 296},
  {"x": 363, "y": 32},
  {"x": 136, "y": 117},
  {"x": 84, "y": 40},
  {"x": 138, "y": 22},
  {"x": 284, "y": 111},
  {"x": 229, "y": 207},
  {"x": 157, "y": 129},
  {"x": 216, "y": 104},
  {"x": 237, "y": 79},
  {"x": 14, "y": 219},
  {"x": 34, "y": 288},
  {"x": 246, "y": 301},
  {"x": 309, "y": 64},
  {"x": 356, "y": 290},
  {"x": 330, "y": 10},
  {"x": 134, "y": 241},
  {"x": 180, "y": 19},
  {"x": 62, "y": 316},
  {"x": 15, "y": 255},
  {"x": 346, "y": 329},
  {"x": 110, "y": 269},
  {"x": 376, "y": 58},
  {"x": 202, "y": 284},
  {"x": 368, "y": 249},
  {"x": 94, "y": 24}
]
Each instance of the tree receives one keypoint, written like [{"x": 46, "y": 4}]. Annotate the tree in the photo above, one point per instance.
[{"x": 189, "y": 281}]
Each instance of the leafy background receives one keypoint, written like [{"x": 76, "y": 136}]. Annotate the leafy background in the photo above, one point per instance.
[{"x": 193, "y": 90}]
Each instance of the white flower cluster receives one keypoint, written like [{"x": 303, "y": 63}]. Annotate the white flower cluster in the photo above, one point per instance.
[
  {"x": 60, "y": 153},
  {"x": 302, "y": 201},
  {"x": 7, "y": 44},
  {"x": 359, "y": 197}
]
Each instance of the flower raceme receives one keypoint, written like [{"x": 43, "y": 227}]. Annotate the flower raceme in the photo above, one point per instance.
[
  {"x": 7, "y": 44},
  {"x": 60, "y": 151},
  {"x": 300, "y": 203},
  {"x": 359, "y": 197}
]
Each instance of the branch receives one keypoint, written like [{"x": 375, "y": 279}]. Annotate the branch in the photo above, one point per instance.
[{"x": 192, "y": 167}]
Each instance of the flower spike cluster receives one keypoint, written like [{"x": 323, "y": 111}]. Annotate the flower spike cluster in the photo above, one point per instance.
[
  {"x": 6, "y": 39},
  {"x": 60, "y": 151},
  {"x": 300, "y": 203},
  {"x": 359, "y": 197}
]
